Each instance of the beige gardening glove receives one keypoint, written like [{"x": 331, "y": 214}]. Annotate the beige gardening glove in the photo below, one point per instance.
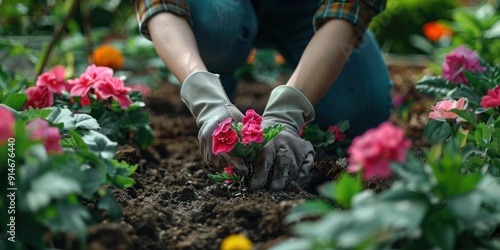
[
  {"x": 287, "y": 158},
  {"x": 205, "y": 97}
]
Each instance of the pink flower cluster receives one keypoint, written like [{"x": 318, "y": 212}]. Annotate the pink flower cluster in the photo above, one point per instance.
[
  {"x": 492, "y": 99},
  {"x": 224, "y": 137},
  {"x": 41, "y": 131},
  {"x": 95, "y": 80},
  {"x": 373, "y": 151},
  {"x": 457, "y": 61},
  {"x": 47, "y": 84},
  {"x": 7, "y": 125},
  {"x": 442, "y": 110}
]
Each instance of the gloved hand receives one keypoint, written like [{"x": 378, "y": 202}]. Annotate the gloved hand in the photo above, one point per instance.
[
  {"x": 286, "y": 158},
  {"x": 205, "y": 97}
]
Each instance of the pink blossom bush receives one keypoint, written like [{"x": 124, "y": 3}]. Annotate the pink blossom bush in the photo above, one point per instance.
[
  {"x": 41, "y": 131},
  {"x": 114, "y": 88},
  {"x": 39, "y": 97},
  {"x": 442, "y": 110},
  {"x": 373, "y": 151},
  {"x": 224, "y": 138},
  {"x": 457, "y": 61},
  {"x": 7, "y": 125},
  {"x": 492, "y": 99}
]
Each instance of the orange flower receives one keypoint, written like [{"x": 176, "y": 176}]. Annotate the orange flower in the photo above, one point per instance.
[
  {"x": 278, "y": 59},
  {"x": 435, "y": 31},
  {"x": 251, "y": 56},
  {"x": 109, "y": 56}
]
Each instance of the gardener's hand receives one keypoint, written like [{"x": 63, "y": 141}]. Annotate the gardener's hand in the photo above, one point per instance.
[
  {"x": 287, "y": 158},
  {"x": 203, "y": 94}
]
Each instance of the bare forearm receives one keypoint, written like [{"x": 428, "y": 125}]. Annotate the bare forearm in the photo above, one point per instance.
[
  {"x": 175, "y": 43},
  {"x": 323, "y": 59}
]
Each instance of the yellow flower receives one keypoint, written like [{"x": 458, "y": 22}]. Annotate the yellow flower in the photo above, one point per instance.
[
  {"x": 109, "y": 56},
  {"x": 236, "y": 242}
]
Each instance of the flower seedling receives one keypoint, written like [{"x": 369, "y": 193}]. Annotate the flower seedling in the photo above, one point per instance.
[{"x": 243, "y": 139}]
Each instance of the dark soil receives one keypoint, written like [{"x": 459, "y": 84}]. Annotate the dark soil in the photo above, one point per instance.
[{"x": 173, "y": 205}]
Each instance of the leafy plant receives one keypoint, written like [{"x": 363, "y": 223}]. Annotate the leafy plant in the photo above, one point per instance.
[
  {"x": 52, "y": 177},
  {"x": 437, "y": 204}
]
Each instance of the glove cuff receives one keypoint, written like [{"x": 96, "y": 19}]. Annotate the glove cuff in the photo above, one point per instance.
[
  {"x": 289, "y": 106},
  {"x": 203, "y": 94}
]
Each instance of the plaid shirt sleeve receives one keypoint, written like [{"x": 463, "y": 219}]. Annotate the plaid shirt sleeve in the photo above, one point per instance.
[
  {"x": 358, "y": 12},
  {"x": 145, "y": 9}
]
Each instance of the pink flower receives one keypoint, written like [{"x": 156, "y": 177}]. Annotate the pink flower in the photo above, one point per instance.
[
  {"x": 40, "y": 130},
  {"x": 492, "y": 99},
  {"x": 39, "y": 97},
  {"x": 251, "y": 117},
  {"x": 229, "y": 171},
  {"x": 145, "y": 90},
  {"x": 252, "y": 132},
  {"x": 441, "y": 111},
  {"x": 114, "y": 88},
  {"x": 53, "y": 80},
  {"x": 339, "y": 135},
  {"x": 7, "y": 125},
  {"x": 373, "y": 151},
  {"x": 457, "y": 61},
  {"x": 92, "y": 75},
  {"x": 224, "y": 138}
]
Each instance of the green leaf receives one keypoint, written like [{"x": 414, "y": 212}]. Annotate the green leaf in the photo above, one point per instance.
[
  {"x": 63, "y": 118},
  {"x": 50, "y": 186},
  {"x": 467, "y": 92},
  {"x": 271, "y": 131},
  {"x": 434, "y": 85},
  {"x": 135, "y": 119},
  {"x": 78, "y": 140},
  {"x": 308, "y": 209},
  {"x": 440, "y": 231},
  {"x": 108, "y": 203},
  {"x": 121, "y": 181},
  {"x": 85, "y": 121},
  {"x": 466, "y": 207},
  {"x": 92, "y": 181},
  {"x": 16, "y": 101},
  {"x": 144, "y": 136},
  {"x": 437, "y": 131},
  {"x": 344, "y": 189},
  {"x": 73, "y": 218},
  {"x": 467, "y": 115},
  {"x": 100, "y": 144},
  {"x": 109, "y": 125}
]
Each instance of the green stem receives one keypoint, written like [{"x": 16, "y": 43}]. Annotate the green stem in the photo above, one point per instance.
[{"x": 55, "y": 38}]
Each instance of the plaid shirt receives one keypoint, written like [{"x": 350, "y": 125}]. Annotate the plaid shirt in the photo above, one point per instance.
[{"x": 358, "y": 12}]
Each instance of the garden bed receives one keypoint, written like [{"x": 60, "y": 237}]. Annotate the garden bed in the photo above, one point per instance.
[{"x": 173, "y": 205}]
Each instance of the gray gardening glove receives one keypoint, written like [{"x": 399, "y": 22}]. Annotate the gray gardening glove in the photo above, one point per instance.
[
  {"x": 205, "y": 97},
  {"x": 287, "y": 158}
]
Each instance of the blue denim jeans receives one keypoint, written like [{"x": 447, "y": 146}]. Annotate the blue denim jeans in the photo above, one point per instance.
[{"x": 226, "y": 31}]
